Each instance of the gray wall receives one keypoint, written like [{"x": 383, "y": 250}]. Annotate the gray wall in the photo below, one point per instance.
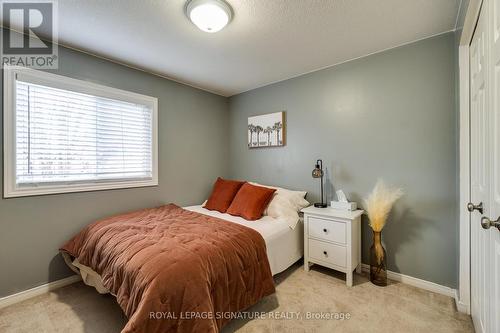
[
  {"x": 193, "y": 152},
  {"x": 390, "y": 115}
]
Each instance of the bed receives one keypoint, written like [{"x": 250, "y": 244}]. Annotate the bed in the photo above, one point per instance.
[
  {"x": 284, "y": 245},
  {"x": 262, "y": 248}
]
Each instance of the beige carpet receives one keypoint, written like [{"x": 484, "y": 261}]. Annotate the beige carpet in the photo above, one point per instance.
[{"x": 320, "y": 292}]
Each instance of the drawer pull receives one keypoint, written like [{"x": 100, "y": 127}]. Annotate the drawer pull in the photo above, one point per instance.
[
  {"x": 325, "y": 253},
  {"x": 325, "y": 230}
]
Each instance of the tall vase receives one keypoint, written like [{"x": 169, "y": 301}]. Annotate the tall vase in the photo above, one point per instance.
[{"x": 378, "y": 265}]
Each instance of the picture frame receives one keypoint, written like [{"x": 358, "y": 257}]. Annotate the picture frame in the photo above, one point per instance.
[{"x": 266, "y": 130}]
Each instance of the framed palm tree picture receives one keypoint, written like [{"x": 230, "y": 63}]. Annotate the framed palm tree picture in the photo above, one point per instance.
[{"x": 266, "y": 130}]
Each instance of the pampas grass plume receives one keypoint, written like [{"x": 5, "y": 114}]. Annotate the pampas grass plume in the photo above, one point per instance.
[{"x": 379, "y": 204}]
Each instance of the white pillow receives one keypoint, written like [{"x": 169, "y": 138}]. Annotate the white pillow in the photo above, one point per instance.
[{"x": 286, "y": 204}]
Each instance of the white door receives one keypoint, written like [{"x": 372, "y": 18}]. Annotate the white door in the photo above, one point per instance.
[
  {"x": 494, "y": 137},
  {"x": 485, "y": 169},
  {"x": 479, "y": 176}
]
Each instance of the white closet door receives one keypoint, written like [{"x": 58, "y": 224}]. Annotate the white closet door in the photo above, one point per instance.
[
  {"x": 494, "y": 213},
  {"x": 480, "y": 190}
]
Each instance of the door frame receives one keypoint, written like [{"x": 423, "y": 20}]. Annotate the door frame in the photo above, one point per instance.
[{"x": 463, "y": 296}]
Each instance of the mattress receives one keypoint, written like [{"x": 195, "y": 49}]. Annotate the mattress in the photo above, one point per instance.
[{"x": 284, "y": 245}]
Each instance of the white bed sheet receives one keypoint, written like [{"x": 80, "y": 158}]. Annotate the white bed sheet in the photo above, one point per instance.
[{"x": 284, "y": 245}]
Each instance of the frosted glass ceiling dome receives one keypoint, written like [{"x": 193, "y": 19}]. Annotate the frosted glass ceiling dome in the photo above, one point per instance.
[{"x": 209, "y": 15}]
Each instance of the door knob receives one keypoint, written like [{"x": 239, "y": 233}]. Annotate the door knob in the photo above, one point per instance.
[
  {"x": 471, "y": 207},
  {"x": 486, "y": 223}
]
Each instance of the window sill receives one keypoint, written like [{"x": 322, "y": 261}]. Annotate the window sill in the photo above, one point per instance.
[{"x": 58, "y": 189}]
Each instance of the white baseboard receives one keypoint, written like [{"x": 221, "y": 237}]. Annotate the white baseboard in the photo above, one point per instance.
[
  {"x": 44, "y": 288},
  {"x": 419, "y": 283}
]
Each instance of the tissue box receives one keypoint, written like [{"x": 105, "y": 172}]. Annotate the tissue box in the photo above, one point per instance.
[{"x": 343, "y": 205}]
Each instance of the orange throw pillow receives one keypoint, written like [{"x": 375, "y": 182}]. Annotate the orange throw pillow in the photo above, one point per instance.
[
  {"x": 223, "y": 194},
  {"x": 251, "y": 201}
]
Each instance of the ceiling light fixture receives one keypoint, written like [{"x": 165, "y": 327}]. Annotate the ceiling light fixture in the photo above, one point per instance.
[{"x": 209, "y": 15}]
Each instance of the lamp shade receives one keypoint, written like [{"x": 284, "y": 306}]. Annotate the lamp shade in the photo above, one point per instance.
[{"x": 317, "y": 172}]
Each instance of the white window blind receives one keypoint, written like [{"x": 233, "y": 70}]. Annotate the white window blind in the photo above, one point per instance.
[{"x": 66, "y": 138}]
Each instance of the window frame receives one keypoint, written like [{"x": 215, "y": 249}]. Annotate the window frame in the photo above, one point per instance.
[{"x": 62, "y": 82}]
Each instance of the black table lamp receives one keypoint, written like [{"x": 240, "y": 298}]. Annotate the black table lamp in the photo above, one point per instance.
[{"x": 318, "y": 173}]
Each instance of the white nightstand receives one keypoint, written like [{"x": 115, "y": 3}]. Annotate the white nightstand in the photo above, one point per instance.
[{"x": 332, "y": 238}]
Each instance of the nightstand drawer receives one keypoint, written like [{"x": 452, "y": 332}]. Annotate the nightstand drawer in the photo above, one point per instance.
[
  {"x": 327, "y": 252},
  {"x": 327, "y": 229}
]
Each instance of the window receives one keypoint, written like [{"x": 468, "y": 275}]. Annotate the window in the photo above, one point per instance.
[{"x": 66, "y": 135}]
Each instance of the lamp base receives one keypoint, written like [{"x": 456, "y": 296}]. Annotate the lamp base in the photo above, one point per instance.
[{"x": 320, "y": 205}]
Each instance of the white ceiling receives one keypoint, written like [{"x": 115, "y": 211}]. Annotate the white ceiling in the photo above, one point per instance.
[{"x": 267, "y": 40}]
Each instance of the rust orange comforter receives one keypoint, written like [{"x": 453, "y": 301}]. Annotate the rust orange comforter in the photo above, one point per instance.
[{"x": 173, "y": 270}]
